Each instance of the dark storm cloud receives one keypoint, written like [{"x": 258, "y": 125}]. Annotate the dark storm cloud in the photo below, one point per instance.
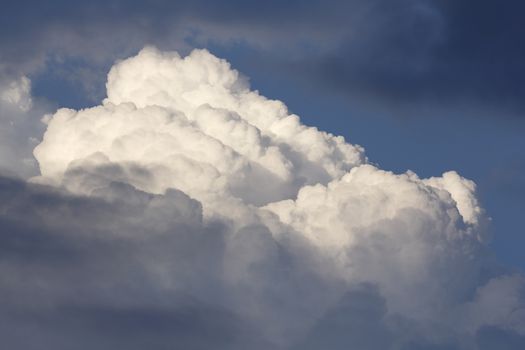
[
  {"x": 398, "y": 54},
  {"x": 452, "y": 53}
]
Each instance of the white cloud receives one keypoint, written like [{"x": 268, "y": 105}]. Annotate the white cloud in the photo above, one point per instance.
[
  {"x": 194, "y": 123},
  {"x": 304, "y": 224}
]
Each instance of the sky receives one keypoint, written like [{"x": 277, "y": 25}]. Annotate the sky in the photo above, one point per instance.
[{"x": 242, "y": 174}]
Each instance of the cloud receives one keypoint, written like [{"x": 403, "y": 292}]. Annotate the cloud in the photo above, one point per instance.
[
  {"x": 189, "y": 210},
  {"x": 18, "y": 94},
  {"x": 130, "y": 269},
  {"x": 195, "y": 125},
  {"x": 402, "y": 56},
  {"x": 19, "y": 126}
]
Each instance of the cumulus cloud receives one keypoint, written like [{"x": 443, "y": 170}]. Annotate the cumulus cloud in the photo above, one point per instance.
[
  {"x": 188, "y": 210},
  {"x": 195, "y": 125}
]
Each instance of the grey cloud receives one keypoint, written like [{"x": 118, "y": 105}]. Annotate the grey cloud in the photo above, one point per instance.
[
  {"x": 95, "y": 273},
  {"x": 358, "y": 318},
  {"x": 399, "y": 56},
  {"x": 187, "y": 324},
  {"x": 135, "y": 270},
  {"x": 492, "y": 337}
]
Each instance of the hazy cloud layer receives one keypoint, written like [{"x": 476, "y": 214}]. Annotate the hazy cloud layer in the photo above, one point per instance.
[
  {"x": 189, "y": 211},
  {"x": 20, "y": 127}
]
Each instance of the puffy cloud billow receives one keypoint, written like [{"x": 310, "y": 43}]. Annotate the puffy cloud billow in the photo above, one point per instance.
[{"x": 187, "y": 211}]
